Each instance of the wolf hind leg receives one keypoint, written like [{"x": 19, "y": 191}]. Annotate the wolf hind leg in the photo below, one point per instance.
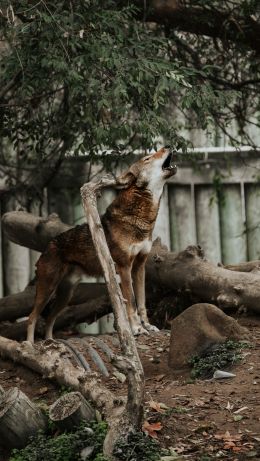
[
  {"x": 49, "y": 274},
  {"x": 138, "y": 276},
  {"x": 128, "y": 294},
  {"x": 64, "y": 294}
]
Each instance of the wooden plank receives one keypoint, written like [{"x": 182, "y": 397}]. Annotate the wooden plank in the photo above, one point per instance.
[
  {"x": 16, "y": 267},
  {"x": 182, "y": 217},
  {"x": 162, "y": 225},
  {"x": 234, "y": 171},
  {"x": 252, "y": 200},
  {"x": 16, "y": 261},
  {"x": 1, "y": 259},
  {"x": 207, "y": 222},
  {"x": 233, "y": 238},
  {"x": 61, "y": 201}
]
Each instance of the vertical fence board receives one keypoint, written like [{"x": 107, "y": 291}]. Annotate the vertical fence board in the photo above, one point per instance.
[
  {"x": 1, "y": 257},
  {"x": 233, "y": 239},
  {"x": 16, "y": 267},
  {"x": 162, "y": 225},
  {"x": 16, "y": 262},
  {"x": 252, "y": 198},
  {"x": 182, "y": 219},
  {"x": 34, "y": 255},
  {"x": 207, "y": 222},
  {"x": 60, "y": 201}
]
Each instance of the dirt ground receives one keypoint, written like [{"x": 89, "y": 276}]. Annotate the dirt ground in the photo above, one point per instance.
[{"x": 202, "y": 420}]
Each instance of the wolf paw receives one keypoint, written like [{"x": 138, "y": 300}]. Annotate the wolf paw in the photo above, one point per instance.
[
  {"x": 139, "y": 330},
  {"x": 150, "y": 327}
]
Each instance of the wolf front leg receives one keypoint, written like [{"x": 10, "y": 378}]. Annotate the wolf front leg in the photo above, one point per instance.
[
  {"x": 138, "y": 276},
  {"x": 128, "y": 294}
]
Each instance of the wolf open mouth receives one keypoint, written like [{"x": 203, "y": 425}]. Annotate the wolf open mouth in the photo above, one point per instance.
[{"x": 168, "y": 163}]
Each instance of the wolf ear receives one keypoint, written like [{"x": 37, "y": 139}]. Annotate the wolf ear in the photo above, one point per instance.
[{"x": 126, "y": 180}]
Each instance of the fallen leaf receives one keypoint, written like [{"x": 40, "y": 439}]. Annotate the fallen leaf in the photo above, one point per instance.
[
  {"x": 199, "y": 403},
  {"x": 42, "y": 390},
  {"x": 159, "y": 377},
  {"x": 229, "y": 406},
  {"x": 227, "y": 437},
  {"x": 156, "y": 406},
  {"x": 151, "y": 429},
  {"x": 238, "y": 417},
  {"x": 251, "y": 454}
]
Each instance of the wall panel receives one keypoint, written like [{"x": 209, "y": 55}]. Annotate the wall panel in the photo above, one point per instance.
[
  {"x": 233, "y": 237},
  {"x": 182, "y": 217},
  {"x": 252, "y": 200},
  {"x": 207, "y": 222}
]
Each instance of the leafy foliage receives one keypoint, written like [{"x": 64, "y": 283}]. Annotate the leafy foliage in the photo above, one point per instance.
[
  {"x": 216, "y": 357},
  {"x": 82, "y": 77},
  {"x": 137, "y": 447},
  {"x": 64, "y": 447},
  {"x": 79, "y": 77}
]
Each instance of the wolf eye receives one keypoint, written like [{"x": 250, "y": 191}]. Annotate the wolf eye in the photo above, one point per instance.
[{"x": 146, "y": 159}]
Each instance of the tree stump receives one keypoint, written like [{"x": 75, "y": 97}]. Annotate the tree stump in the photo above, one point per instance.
[
  {"x": 19, "y": 419},
  {"x": 70, "y": 410}
]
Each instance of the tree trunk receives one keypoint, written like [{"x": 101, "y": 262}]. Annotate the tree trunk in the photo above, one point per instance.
[
  {"x": 132, "y": 417},
  {"x": 19, "y": 419},
  {"x": 70, "y": 410}
]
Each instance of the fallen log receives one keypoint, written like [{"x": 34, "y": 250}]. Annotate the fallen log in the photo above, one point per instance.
[
  {"x": 190, "y": 271},
  {"x": 70, "y": 410},
  {"x": 20, "y": 419},
  {"x": 36, "y": 231},
  {"x": 186, "y": 271},
  {"x": 21, "y": 304},
  {"x": 89, "y": 312},
  {"x": 247, "y": 266},
  {"x": 52, "y": 360}
]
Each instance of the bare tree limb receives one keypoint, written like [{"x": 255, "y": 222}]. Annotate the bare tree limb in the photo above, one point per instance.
[
  {"x": 134, "y": 413},
  {"x": 224, "y": 22}
]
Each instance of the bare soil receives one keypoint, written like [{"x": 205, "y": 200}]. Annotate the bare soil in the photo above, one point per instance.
[{"x": 202, "y": 420}]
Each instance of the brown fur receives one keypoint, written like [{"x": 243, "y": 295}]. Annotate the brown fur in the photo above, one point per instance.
[{"x": 128, "y": 224}]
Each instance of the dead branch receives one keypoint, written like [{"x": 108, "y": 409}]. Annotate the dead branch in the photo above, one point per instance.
[
  {"x": 248, "y": 266},
  {"x": 52, "y": 360},
  {"x": 89, "y": 312},
  {"x": 133, "y": 415},
  {"x": 21, "y": 304}
]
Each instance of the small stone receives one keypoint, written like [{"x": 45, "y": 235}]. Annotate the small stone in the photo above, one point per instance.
[
  {"x": 143, "y": 347},
  {"x": 119, "y": 376},
  {"x": 86, "y": 452}
]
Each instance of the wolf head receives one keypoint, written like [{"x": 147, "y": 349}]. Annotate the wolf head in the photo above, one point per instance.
[{"x": 151, "y": 171}]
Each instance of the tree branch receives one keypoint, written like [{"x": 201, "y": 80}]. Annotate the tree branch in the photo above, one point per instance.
[
  {"x": 225, "y": 24},
  {"x": 134, "y": 407}
]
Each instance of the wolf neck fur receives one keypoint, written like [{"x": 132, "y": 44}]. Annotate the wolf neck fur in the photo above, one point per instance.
[{"x": 136, "y": 207}]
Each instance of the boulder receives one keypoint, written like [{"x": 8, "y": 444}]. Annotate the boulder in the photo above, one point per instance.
[{"x": 198, "y": 328}]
